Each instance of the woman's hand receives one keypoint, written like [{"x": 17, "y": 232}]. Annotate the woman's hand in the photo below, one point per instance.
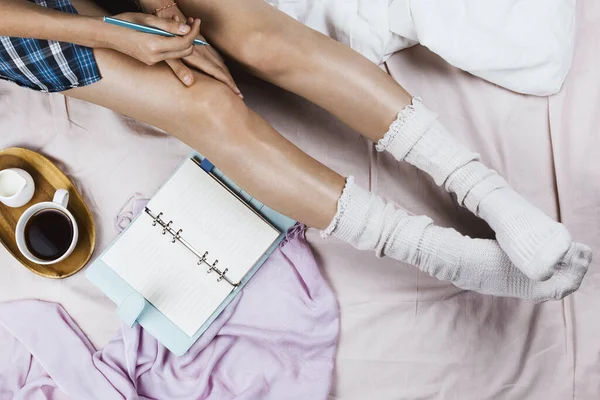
[
  {"x": 151, "y": 49},
  {"x": 203, "y": 58},
  {"x": 207, "y": 60}
]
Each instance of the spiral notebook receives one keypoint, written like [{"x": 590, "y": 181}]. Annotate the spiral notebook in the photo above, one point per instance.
[{"x": 196, "y": 243}]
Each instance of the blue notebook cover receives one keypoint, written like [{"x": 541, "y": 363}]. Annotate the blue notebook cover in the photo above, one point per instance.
[{"x": 133, "y": 308}]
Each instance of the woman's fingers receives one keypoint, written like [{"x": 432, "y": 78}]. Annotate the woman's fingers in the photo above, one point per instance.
[
  {"x": 211, "y": 50},
  {"x": 225, "y": 77},
  {"x": 180, "y": 53},
  {"x": 222, "y": 72},
  {"x": 181, "y": 71},
  {"x": 177, "y": 54},
  {"x": 214, "y": 69},
  {"x": 169, "y": 44},
  {"x": 169, "y": 25}
]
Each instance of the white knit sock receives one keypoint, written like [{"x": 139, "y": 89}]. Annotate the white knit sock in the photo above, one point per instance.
[
  {"x": 366, "y": 222},
  {"x": 533, "y": 241}
]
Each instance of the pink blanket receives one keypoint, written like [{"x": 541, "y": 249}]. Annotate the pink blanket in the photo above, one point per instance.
[{"x": 278, "y": 342}]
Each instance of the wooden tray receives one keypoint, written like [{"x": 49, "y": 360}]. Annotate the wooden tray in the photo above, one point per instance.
[{"x": 48, "y": 178}]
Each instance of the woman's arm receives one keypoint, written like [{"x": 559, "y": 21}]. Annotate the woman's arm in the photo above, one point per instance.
[{"x": 20, "y": 18}]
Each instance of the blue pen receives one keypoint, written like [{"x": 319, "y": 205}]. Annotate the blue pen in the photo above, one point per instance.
[{"x": 147, "y": 29}]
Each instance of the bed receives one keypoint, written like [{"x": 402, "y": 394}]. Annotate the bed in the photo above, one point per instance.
[{"x": 404, "y": 334}]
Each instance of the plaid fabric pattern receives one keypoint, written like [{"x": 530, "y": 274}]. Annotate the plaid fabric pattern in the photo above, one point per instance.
[{"x": 47, "y": 65}]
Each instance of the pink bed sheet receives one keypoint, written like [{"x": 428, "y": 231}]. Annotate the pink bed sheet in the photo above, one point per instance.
[{"x": 404, "y": 335}]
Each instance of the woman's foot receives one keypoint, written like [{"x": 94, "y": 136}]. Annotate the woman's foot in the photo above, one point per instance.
[
  {"x": 534, "y": 242},
  {"x": 366, "y": 222}
]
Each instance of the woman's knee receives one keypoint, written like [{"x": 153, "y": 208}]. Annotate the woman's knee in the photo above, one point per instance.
[{"x": 213, "y": 107}]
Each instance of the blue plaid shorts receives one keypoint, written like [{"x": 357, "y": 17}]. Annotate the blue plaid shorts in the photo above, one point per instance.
[{"x": 47, "y": 65}]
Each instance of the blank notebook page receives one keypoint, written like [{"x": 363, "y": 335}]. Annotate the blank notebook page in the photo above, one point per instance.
[{"x": 213, "y": 220}]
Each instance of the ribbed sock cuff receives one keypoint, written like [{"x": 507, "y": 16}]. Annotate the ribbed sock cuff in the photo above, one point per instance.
[
  {"x": 352, "y": 210},
  {"x": 412, "y": 122}
]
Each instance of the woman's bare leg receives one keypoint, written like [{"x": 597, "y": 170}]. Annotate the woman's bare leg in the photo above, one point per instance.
[
  {"x": 281, "y": 50},
  {"x": 211, "y": 118}
]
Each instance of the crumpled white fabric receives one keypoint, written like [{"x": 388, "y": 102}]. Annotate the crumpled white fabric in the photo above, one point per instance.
[{"x": 522, "y": 45}]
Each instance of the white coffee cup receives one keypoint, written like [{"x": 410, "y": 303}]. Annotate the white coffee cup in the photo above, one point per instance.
[{"x": 59, "y": 203}]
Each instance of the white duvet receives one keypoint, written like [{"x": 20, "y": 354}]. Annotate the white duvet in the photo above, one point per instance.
[{"x": 523, "y": 45}]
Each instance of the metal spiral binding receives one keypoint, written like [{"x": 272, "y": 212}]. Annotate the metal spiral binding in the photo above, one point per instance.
[{"x": 176, "y": 237}]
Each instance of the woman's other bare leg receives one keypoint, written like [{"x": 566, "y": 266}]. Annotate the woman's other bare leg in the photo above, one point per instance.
[{"x": 281, "y": 50}]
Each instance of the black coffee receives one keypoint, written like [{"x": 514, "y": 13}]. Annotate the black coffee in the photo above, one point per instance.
[{"x": 48, "y": 234}]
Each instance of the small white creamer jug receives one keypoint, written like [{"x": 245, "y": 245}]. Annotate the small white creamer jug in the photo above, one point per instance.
[{"x": 16, "y": 187}]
